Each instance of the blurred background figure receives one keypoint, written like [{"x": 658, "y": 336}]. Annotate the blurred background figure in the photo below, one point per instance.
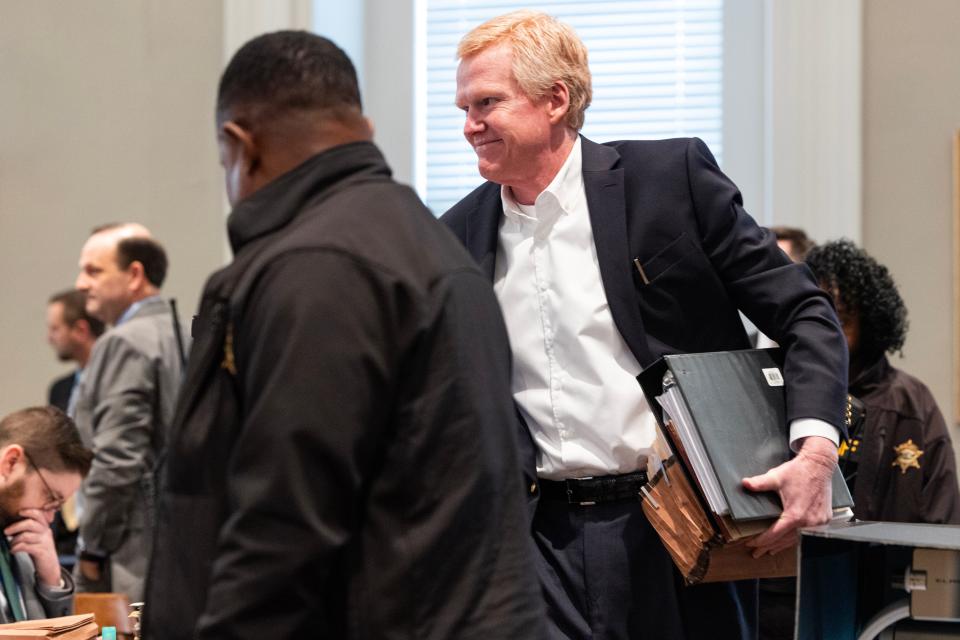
[
  {"x": 71, "y": 331},
  {"x": 900, "y": 467},
  {"x": 794, "y": 242}
]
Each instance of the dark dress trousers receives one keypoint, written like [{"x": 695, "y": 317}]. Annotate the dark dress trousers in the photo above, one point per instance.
[
  {"x": 666, "y": 205},
  {"x": 343, "y": 462}
]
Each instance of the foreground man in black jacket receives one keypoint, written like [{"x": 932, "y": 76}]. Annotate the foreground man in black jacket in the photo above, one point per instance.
[{"x": 343, "y": 463}]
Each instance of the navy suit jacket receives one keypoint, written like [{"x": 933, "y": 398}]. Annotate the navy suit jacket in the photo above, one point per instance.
[{"x": 666, "y": 205}]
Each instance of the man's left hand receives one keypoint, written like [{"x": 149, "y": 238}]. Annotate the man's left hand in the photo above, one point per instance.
[
  {"x": 804, "y": 486},
  {"x": 33, "y": 536}
]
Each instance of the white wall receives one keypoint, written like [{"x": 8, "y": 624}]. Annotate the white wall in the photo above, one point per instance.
[
  {"x": 911, "y": 112},
  {"x": 390, "y": 80},
  {"x": 813, "y": 116},
  {"x": 106, "y": 114}
]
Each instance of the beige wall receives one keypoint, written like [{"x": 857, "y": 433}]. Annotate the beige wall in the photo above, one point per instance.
[
  {"x": 105, "y": 114},
  {"x": 911, "y": 109}
]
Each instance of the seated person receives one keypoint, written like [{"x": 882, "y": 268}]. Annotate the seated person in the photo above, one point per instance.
[
  {"x": 900, "y": 467},
  {"x": 42, "y": 462}
]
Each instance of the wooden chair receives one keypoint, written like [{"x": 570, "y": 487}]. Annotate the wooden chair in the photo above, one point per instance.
[{"x": 108, "y": 609}]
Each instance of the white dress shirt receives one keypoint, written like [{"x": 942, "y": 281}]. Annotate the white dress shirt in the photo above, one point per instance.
[{"x": 574, "y": 378}]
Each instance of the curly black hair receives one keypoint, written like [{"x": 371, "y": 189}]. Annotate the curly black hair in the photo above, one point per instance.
[{"x": 863, "y": 286}]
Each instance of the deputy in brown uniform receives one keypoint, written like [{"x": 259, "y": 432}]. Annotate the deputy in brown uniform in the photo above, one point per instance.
[{"x": 901, "y": 465}]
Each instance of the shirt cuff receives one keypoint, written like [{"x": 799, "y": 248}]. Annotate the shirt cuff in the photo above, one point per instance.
[{"x": 805, "y": 427}]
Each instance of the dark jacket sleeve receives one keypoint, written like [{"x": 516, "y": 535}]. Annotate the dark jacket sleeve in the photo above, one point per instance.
[
  {"x": 780, "y": 297},
  {"x": 57, "y": 602},
  {"x": 314, "y": 357},
  {"x": 940, "y": 494}
]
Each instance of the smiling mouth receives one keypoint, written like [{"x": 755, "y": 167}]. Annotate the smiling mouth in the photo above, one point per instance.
[{"x": 484, "y": 143}]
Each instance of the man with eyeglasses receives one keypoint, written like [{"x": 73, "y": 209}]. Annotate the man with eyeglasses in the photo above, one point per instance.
[{"x": 42, "y": 462}]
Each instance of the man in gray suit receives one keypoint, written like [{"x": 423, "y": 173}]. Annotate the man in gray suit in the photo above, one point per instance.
[
  {"x": 125, "y": 404},
  {"x": 42, "y": 462}
]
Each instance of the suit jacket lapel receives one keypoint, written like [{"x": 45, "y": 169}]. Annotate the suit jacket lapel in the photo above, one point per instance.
[
  {"x": 608, "y": 217},
  {"x": 482, "y": 228}
]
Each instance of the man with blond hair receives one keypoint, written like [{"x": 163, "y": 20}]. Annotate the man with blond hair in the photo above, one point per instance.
[
  {"x": 604, "y": 258},
  {"x": 125, "y": 404}
]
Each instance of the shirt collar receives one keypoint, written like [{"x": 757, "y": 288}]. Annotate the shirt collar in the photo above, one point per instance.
[
  {"x": 132, "y": 309},
  {"x": 560, "y": 194}
]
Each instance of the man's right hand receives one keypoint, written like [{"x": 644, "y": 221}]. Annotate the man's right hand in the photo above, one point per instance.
[{"x": 32, "y": 535}]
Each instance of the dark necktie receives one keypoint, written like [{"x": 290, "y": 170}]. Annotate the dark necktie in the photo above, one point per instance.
[{"x": 10, "y": 589}]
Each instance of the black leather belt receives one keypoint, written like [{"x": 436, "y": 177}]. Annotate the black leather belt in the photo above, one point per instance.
[{"x": 596, "y": 490}]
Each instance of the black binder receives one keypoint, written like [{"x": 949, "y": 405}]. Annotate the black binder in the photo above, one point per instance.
[{"x": 737, "y": 402}]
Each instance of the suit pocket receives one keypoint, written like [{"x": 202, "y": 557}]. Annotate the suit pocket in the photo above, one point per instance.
[{"x": 665, "y": 259}]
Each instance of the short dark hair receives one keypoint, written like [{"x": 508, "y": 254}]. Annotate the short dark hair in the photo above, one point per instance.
[
  {"x": 147, "y": 252},
  {"x": 288, "y": 70},
  {"x": 75, "y": 309},
  {"x": 49, "y": 437},
  {"x": 864, "y": 286},
  {"x": 802, "y": 244}
]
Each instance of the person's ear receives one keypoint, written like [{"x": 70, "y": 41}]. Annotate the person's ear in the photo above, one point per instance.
[
  {"x": 137, "y": 275},
  {"x": 81, "y": 328},
  {"x": 10, "y": 456},
  {"x": 559, "y": 98},
  {"x": 240, "y": 146}
]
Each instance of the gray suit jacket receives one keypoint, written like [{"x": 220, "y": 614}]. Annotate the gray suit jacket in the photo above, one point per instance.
[
  {"x": 124, "y": 409},
  {"x": 39, "y": 602}
]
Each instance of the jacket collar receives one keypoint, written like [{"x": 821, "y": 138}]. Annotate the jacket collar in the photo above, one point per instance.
[
  {"x": 603, "y": 182},
  {"x": 606, "y": 200},
  {"x": 278, "y": 203},
  {"x": 871, "y": 377}
]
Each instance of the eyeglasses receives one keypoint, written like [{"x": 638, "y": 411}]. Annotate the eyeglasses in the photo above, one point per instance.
[{"x": 54, "y": 501}]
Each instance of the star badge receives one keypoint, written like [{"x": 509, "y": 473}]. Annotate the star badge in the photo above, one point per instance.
[{"x": 908, "y": 455}]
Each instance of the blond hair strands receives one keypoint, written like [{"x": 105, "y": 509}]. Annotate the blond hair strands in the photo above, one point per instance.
[{"x": 544, "y": 50}]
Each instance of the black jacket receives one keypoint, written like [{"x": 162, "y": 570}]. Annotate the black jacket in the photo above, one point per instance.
[
  {"x": 901, "y": 412},
  {"x": 59, "y": 394},
  {"x": 344, "y": 463}
]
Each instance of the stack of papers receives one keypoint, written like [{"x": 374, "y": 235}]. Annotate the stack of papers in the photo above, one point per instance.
[{"x": 78, "y": 627}]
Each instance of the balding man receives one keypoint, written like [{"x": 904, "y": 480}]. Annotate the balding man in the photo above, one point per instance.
[
  {"x": 344, "y": 459},
  {"x": 125, "y": 404}
]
